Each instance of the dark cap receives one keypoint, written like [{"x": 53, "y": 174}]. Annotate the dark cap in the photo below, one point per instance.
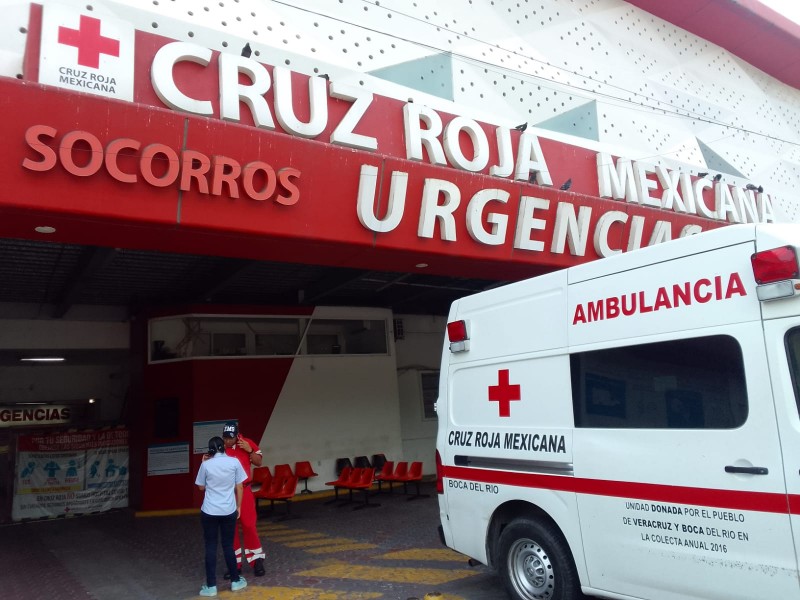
[{"x": 231, "y": 429}]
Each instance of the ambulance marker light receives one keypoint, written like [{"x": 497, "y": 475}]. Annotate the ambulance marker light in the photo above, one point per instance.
[
  {"x": 458, "y": 334},
  {"x": 776, "y": 291},
  {"x": 774, "y": 265},
  {"x": 439, "y": 477}
]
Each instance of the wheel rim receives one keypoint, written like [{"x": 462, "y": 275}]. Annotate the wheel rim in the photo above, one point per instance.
[{"x": 530, "y": 570}]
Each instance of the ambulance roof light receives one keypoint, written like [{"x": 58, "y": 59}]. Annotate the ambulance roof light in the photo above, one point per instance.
[
  {"x": 775, "y": 265},
  {"x": 458, "y": 334},
  {"x": 457, "y": 331}
]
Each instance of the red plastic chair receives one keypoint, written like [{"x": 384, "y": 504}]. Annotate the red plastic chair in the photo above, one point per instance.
[
  {"x": 303, "y": 471},
  {"x": 283, "y": 471},
  {"x": 266, "y": 490},
  {"x": 362, "y": 483},
  {"x": 343, "y": 478},
  {"x": 386, "y": 471},
  {"x": 283, "y": 493},
  {"x": 261, "y": 477},
  {"x": 414, "y": 475},
  {"x": 341, "y": 463},
  {"x": 354, "y": 479},
  {"x": 378, "y": 461},
  {"x": 400, "y": 471}
]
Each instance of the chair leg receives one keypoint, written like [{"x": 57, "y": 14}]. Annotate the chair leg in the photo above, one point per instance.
[
  {"x": 418, "y": 495},
  {"x": 366, "y": 502},
  {"x": 305, "y": 489},
  {"x": 288, "y": 515},
  {"x": 349, "y": 498},
  {"x": 335, "y": 497}
]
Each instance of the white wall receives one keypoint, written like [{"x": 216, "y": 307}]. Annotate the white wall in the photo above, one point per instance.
[
  {"x": 336, "y": 406},
  {"x": 63, "y": 334},
  {"x": 345, "y": 406},
  {"x": 332, "y": 407},
  {"x": 420, "y": 350}
]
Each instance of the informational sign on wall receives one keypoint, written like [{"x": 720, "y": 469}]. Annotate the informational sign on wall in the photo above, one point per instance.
[
  {"x": 71, "y": 473},
  {"x": 168, "y": 459},
  {"x": 204, "y": 431}
]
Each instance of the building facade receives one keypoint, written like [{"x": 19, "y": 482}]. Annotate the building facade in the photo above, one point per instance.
[{"x": 261, "y": 210}]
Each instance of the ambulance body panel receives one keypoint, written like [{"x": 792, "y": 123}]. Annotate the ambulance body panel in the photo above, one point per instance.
[{"x": 630, "y": 427}]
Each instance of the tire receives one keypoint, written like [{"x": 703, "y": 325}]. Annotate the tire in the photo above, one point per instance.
[{"x": 536, "y": 564}]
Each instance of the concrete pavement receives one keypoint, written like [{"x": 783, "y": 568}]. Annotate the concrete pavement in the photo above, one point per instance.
[{"x": 328, "y": 553}]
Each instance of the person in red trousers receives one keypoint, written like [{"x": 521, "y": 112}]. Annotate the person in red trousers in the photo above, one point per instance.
[{"x": 248, "y": 453}]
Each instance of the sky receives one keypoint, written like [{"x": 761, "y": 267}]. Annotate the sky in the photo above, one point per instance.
[{"x": 788, "y": 8}]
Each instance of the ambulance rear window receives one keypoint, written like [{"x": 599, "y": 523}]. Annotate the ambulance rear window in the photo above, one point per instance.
[
  {"x": 793, "y": 351},
  {"x": 693, "y": 383}
]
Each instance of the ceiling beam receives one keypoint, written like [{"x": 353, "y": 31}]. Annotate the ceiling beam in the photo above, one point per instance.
[
  {"x": 337, "y": 280},
  {"x": 92, "y": 260},
  {"x": 220, "y": 278}
]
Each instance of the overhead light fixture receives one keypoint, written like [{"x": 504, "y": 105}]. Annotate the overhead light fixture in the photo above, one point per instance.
[
  {"x": 44, "y": 229},
  {"x": 421, "y": 265},
  {"x": 42, "y": 359},
  {"x": 92, "y": 400}
]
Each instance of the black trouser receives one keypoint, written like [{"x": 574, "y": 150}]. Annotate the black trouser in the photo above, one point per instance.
[{"x": 214, "y": 527}]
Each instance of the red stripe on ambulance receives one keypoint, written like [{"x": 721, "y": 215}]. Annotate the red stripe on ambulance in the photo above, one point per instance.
[{"x": 735, "y": 500}]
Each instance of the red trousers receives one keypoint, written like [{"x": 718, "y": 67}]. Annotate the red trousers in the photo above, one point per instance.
[{"x": 247, "y": 518}]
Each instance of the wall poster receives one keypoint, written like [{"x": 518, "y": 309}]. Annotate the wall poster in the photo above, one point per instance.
[{"x": 72, "y": 472}]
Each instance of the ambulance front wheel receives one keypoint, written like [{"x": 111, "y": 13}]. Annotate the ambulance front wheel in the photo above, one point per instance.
[{"x": 536, "y": 564}]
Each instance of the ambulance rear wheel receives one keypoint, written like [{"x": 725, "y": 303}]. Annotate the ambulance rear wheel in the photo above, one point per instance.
[{"x": 535, "y": 563}]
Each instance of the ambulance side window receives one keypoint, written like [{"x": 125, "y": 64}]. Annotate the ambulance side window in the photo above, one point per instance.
[
  {"x": 695, "y": 383},
  {"x": 793, "y": 352}
]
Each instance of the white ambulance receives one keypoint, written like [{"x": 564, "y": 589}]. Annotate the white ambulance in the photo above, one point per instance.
[{"x": 629, "y": 428}]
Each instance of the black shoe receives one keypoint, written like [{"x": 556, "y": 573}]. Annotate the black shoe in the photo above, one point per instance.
[
  {"x": 258, "y": 567},
  {"x": 228, "y": 574}
]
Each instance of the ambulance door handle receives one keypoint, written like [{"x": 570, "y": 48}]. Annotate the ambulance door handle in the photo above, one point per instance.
[{"x": 748, "y": 470}]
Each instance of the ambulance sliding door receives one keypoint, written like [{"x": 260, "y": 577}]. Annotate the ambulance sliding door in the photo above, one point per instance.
[
  {"x": 783, "y": 351},
  {"x": 679, "y": 470}
]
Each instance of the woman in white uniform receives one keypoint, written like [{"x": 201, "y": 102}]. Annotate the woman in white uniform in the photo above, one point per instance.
[{"x": 220, "y": 477}]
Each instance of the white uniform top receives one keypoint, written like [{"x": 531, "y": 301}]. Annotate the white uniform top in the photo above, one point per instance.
[{"x": 219, "y": 475}]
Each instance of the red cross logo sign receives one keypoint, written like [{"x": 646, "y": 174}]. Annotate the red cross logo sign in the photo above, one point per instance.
[
  {"x": 86, "y": 53},
  {"x": 89, "y": 42},
  {"x": 504, "y": 393}
]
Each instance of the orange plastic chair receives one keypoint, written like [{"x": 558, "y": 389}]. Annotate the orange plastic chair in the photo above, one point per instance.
[{"x": 303, "y": 471}]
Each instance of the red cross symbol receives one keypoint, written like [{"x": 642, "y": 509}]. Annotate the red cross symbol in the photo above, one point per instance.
[
  {"x": 503, "y": 393},
  {"x": 89, "y": 42}
]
